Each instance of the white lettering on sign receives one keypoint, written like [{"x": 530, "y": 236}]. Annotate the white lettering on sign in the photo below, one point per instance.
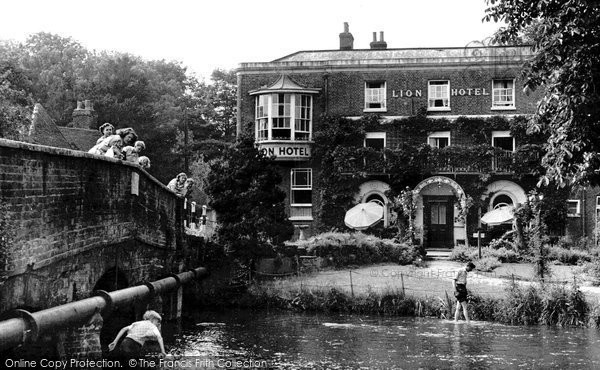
[
  {"x": 286, "y": 151},
  {"x": 406, "y": 93},
  {"x": 469, "y": 92}
]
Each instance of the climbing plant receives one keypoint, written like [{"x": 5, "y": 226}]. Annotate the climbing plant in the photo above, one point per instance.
[
  {"x": 346, "y": 162},
  {"x": 6, "y": 239}
]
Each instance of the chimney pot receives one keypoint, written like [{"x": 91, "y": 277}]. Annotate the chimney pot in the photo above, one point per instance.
[
  {"x": 378, "y": 44},
  {"x": 84, "y": 116},
  {"x": 346, "y": 38},
  {"x": 89, "y": 105}
]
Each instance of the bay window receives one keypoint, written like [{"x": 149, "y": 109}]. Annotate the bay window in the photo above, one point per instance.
[{"x": 283, "y": 116}]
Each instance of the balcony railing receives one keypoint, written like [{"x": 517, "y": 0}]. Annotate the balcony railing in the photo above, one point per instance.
[{"x": 451, "y": 159}]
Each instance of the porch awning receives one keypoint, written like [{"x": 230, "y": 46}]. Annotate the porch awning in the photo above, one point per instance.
[
  {"x": 363, "y": 215},
  {"x": 499, "y": 216}
]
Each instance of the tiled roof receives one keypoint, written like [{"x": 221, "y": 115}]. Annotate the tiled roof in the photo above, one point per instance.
[
  {"x": 80, "y": 138},
  {"x": 44, "y": 131}
]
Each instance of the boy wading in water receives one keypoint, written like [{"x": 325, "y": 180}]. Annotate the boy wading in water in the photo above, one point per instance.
[{"x": 460, "y": 287}]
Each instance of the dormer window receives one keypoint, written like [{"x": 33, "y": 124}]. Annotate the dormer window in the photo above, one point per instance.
[{"x": 283, "y": 111}]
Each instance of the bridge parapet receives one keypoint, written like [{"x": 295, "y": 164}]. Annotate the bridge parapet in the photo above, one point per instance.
[{"x": 63, "y": 203}]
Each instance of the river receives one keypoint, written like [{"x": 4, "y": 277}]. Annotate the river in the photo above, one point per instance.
[{"x": 291, "y": 340}]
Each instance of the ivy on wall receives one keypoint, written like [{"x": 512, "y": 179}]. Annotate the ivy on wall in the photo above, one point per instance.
[
  {"x": 346, "y": 163},
  {"x": 6, "y": 240}
]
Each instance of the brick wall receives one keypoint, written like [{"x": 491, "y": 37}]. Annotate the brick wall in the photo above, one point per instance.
[
  {"x": 342, "y": 92},
  {"x": 74, "y": 216},
  {"x": 584, "y": 224}
]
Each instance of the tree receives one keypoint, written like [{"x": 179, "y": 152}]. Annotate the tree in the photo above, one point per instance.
[
  {"x": 565, "y": 37},
  {"x": 52, "y": 63},
  {"x": 16, "y": 102},
  {"x": 244, "y": 191}
]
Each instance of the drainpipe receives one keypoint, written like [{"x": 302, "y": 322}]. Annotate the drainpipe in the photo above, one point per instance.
[
  {"x": 24, "y": 327},
  {"x": 582, "y": 210}
]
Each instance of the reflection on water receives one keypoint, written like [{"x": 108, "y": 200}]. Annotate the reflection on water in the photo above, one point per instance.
[{"x": 296, "y": 341}]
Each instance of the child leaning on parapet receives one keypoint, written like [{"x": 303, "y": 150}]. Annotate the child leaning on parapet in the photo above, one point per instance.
[
  {"x": 144, "y": 162},
  {"x": 115, "y": 144},
  {"x": 138, "y": 334},
  {"x": 132, "y": 153},
  {"x": 177, "y": 185}
]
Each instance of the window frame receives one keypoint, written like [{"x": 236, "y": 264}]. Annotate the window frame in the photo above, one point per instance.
[
  {"x": 496, "y": 134},
  {"x": 295, "y": 115},
  {"x": 375, "y": 135},
  {"x": 430, "y": 99},
  {"x": 383, "y": 100},
  {"x": 577, "y": 208},
  {"x": 439, "y": 135},
  {"x": 294, "y": 186},
  {"x": 503, "y": 107}
]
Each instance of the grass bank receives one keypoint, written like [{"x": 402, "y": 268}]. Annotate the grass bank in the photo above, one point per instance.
[
  {"x": 509, "y": 296},
  {"x": 522, "y": 305}
]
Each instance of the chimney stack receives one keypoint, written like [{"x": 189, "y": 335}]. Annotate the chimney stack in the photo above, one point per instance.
[
  {"x": 378, "y": 44},
  {"x": 84, "y": 116},
  {"x": 346, "y": 38}
]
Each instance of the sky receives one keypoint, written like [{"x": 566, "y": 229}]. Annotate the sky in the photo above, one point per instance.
[{"x": 205, "y": 35}]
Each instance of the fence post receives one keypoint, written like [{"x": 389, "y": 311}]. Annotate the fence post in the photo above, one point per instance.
[
  {"x": 351, "y": 286},
  {"x": 402, "y": 280}
]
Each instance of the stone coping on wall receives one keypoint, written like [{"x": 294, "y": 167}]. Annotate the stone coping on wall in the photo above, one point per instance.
[
  {"x": 394, "y": 58},
  {"x": 78, "y": 154}
]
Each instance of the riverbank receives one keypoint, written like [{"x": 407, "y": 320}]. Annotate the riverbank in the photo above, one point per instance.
[
  {"x": 508, "y": 295},
  {"x": 434, "y": 278}
]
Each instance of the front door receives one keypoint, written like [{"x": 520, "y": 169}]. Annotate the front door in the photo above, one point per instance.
[{"x": 439, "y": 221}]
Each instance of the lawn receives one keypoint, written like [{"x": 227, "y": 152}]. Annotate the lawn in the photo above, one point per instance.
[{"x": 434, "y": 279}]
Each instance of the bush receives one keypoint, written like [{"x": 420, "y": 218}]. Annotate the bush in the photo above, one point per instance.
[
  {"x": 487, "y": 264},
  {"x": 568, "y": 256},
  {"x": 344, "y": 249},
  {"x": 501, "y": 243},
  {"x": 461, "y": 253},
  {"x": 592, "y": 270},
  {"x": 466, "y": 254}
]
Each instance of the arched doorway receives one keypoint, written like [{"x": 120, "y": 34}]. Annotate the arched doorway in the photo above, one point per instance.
[{"x": 437, "y": 207}]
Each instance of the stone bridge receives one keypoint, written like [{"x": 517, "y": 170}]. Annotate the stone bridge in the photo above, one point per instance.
[{"x": 79, "y": 223}]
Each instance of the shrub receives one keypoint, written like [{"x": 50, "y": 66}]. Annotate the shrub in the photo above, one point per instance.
[
  {"x": 465, "y": 254},
  {"x": 461, "y": 253},
  {"x": 562, "y": 306},
  {"x": 521, "y": 306},
  {"x": 501, "y": 243},
  {"x": 343, "y": 249},
  {"x": 487, "y": 264},
  {"x": 506, "y": 255},
  {"x": 568, "y": 256},
  {"x": 592, "y": 270}
]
